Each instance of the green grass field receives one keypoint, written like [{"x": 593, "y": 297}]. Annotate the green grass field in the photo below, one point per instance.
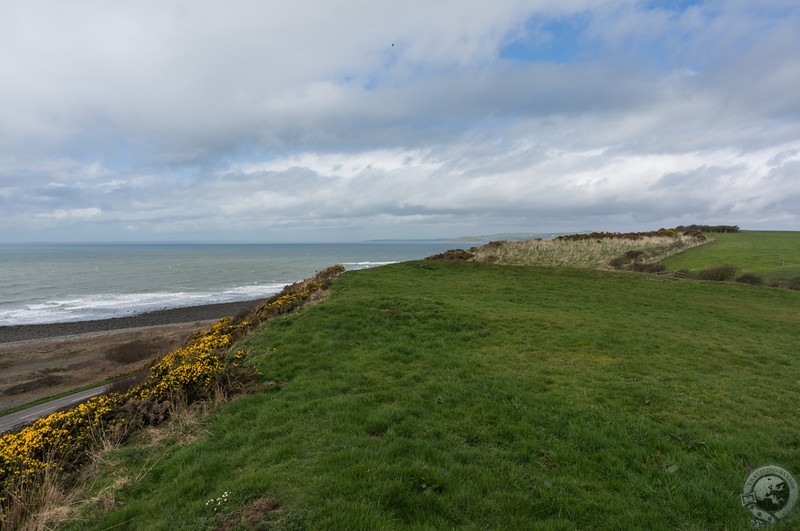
[
  {"x": 770, "y": 254},
  {"x": 452, "y": 395}
]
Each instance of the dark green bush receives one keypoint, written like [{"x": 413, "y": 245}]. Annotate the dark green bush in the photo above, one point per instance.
[
  {"x": 718, "y": 273},
  {"x": 618, "y": 262},
  {"x": 708, "y": 228},
  {"x": 647, "y": 268},
  {"x": 696, "y": 234},
  {"x": 453, "y": 254},
  {"x": 793, "y": 283},
  {"x": 633, "y": 255},
  {"x": 750, "y": 278}
]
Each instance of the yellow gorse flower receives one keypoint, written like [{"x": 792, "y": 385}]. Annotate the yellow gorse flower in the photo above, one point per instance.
[{"x": 63, "y": 439}]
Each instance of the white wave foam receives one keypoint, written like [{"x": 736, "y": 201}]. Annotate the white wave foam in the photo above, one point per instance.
[
  {"x": 365, "y": 265},
  {"x": 103, "y": 306}
]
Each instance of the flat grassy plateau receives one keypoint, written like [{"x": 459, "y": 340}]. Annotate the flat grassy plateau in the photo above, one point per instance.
[
  {"x": 465, "y": 395},
  {"x": 771, "y": 254}
]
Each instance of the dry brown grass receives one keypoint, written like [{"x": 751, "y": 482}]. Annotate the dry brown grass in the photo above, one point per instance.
[
  {"x": 590, "y": 254},
  {"x": 56, "y": 501},
  {"x": 44, "y": 508},
  {"x": 59, "y": 504}
]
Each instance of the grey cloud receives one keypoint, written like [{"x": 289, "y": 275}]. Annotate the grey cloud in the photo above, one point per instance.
[{"x": 147, "y": 111}]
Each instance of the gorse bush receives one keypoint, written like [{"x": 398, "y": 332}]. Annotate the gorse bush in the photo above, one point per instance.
[
  {"x": 55, "y": 444},
  {"x": 61, "y": 443},
  {"x": 718, "y": 273},
  {"x": 618, "y": 235},
  {"x": 453, "y": 254}
]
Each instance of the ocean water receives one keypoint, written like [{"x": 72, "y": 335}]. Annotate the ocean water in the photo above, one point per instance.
[{"x": 50, "y": 283}]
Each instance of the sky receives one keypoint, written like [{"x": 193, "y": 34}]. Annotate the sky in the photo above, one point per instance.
[{"x": 312, "y": 120}]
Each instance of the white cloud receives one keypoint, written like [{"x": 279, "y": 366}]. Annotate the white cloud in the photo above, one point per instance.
[
  {"x": 75, "y": 214},
  {"x": 192, "y": 119}
]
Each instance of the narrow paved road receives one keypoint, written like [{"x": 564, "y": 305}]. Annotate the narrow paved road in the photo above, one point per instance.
[{"x": 30, "y": 414}]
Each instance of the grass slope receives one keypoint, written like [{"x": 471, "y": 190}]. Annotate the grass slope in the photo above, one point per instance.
[
  {"x": 770, "y": 254},
  {"x": 452, "y": 395}
]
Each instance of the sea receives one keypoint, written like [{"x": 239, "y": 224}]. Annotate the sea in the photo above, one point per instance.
[{"x": 56, "y": 283}]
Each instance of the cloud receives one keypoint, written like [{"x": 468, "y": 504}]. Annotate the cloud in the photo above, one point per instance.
[
  {"x": 192, "y": 120},
  {"x": 75, "y": 214}
]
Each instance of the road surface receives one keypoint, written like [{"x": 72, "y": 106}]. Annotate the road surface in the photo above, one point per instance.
[{"x": 25, "y": 416}]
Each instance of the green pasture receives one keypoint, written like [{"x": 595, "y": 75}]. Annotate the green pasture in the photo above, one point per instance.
[
  {"x": 770, "y": 254},
  {"x": 452, "y": 395}
]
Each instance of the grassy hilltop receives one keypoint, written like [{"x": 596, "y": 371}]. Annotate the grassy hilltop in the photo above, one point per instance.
[
  {"x": 466, "y": 395},
  {"x": 771, "y": 254}
]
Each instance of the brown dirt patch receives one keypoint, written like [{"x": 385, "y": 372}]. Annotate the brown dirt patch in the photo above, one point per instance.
[
  {"x": 258, "y": 515},
  {"x": 36, "y": 369}
]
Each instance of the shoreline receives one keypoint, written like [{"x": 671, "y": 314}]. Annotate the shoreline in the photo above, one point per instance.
[{"x": 187, "y": 314}]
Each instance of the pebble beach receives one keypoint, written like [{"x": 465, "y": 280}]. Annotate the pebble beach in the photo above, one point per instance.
[{"x": 36, "y": 332}]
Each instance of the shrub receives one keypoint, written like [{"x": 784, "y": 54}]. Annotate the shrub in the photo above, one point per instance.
[
  {"x": 618, "y": 262},
  {"x": 718, "y": 273},
  {"x": 633, "y": 255},
  {"x": 453, "y": 254},
  {"x": 695, "y": 234},
  {"x": 647, "y": 268},
  {"x": 599, "y": 236},
  {"x": 123, "y": 385},
  {"x": 750, "y": 278},
  {"x": 709, "y": 228},
  {"x": 794, "y": 283}
]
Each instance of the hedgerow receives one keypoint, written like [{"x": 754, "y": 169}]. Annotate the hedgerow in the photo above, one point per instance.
[
  {"x": 709, "y": 228},
  {"x": 620, "y": 235}
]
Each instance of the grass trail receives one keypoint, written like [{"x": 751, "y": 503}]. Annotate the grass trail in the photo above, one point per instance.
[{"x": 451, "y": 395}]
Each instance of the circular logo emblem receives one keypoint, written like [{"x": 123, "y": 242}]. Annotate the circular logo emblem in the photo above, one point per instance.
[{"x": 770, "y": 494}]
